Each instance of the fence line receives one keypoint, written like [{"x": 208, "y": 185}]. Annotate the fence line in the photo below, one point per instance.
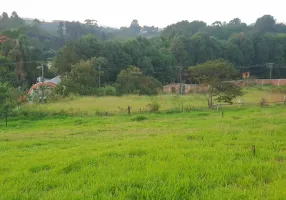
[
  {"x": 188, "y": 88},
  {"x": 143, "y": 110}
]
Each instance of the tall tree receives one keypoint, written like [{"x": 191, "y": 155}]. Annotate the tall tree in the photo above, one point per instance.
[
  {"x": 36, "y": 23},
  {"x": 82, "y": 78},
  {"x": 91, "y": 22},
  {"x": 60, "y": 31},
  {"x": 215, "y": 75},
  {"x": 265, "y": 24},
  {"x": 19, "y": 51},
  {"x": 235, "y": 21},
  {"x": 135, "y": 26}
]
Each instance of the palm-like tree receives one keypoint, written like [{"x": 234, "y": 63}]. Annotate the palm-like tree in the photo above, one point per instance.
[{"x": 18, "y": 51}]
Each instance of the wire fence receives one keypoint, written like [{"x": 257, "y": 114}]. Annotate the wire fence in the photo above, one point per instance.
[
  {"x": 262, "y": 103},
  {"x": 180, "y": 107}
]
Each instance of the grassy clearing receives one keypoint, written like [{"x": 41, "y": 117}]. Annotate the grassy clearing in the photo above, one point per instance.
[
  {"x": 117, "y": 105},
  {"x": 190, "y": 155}
]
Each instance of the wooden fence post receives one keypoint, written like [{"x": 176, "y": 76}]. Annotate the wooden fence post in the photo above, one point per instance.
[
  {"x": 129, "y": 110},
  {"x": 262, "y": 102},
  {"x": 6, "y": 115}
]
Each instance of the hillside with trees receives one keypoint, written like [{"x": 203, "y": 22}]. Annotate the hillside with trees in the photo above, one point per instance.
[{"x": 162, "y": 56}]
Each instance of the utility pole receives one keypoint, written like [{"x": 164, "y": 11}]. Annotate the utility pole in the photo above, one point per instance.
[
  {"x": 41, "y": 67},
  {"x": 6, "y": 115},
  {"x": 42, "y": 73},
  {"x": 180, "y": 74},
  {"x": 270, "y": 66},
  {"x": 179, "y": 68},
  {"x": 99, "y": 75},
  {"x": 42, "y": 80}
]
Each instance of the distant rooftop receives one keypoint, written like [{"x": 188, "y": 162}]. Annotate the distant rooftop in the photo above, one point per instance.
[{"x": 56, "y": 80}]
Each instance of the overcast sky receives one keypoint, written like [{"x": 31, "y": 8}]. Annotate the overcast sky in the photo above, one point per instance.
[{"x": 160, "y": 13}]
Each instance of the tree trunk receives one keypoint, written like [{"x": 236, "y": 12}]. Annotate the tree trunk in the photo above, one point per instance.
[
  {"x": 21, "y": 69},
  {"x": 99, "y": 75},
  {"x": 210, "y": 102},
  {"x": 210, "y": 99}
]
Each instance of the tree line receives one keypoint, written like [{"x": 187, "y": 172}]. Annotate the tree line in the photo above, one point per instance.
[{"x": 72, "y": 49}]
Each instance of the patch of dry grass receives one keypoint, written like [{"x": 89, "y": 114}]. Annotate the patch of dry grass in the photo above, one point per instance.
[{"x": 91, "y": 105}]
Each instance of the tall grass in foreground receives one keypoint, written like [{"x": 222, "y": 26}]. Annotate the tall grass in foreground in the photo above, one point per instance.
[{"x": 191, "y": 155}]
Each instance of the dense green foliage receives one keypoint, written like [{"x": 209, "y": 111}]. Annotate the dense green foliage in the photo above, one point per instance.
[
  {"x": 215, "y": 76},
  {"x": 163, "y": 55},
  {"x": 132, "y": 81},
  {"x": 9, "y": 97},
  {"x": 82, "y": 79}
]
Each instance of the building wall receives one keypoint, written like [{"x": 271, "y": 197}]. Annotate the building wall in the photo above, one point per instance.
[
  {"x": 188, "y": 88},
  {"x": 261, "y": 82},
  {"x": 244, "y": 83}
]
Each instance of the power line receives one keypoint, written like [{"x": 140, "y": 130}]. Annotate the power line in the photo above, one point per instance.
[
  {"x": 262, "y": 65},
  {"x": 40, "y": 61}
]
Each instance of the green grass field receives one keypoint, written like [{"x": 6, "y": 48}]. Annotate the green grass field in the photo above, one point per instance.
[
  {"x": 115, "y": 105},
  {"x": 188, "y": 155}
]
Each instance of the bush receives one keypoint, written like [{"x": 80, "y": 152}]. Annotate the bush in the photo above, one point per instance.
[
  {"x": 150, "y": 86},
  {"x": 110, "y": 90},
  {"x": 139, "y": 118},
  {"x": 100, "y": 91},
  {"x": 82, "y": 79},
  {"x": 132, "y": 81},
  {"x": 9, "y": 97},
  {"x": 61, "y": 90},
  {"x": 154, "y": 106},
  {"x": 105, "y": 91},
  {"x": 280, "y": 89},
  {"x": 173, "y": 111},
  {"x": 53, "y": 97},
  {"x": 173, "y": 90}
]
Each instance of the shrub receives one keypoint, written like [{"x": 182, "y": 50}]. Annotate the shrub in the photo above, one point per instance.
[
  {"x": 154, "y": 106},
  {"x": 82, "y": 79},
  {"x": 280, "y": 89},
  {"x": 139, "y": 118},
  {"x": 173, "y": 89},
  {"x": 100, "y": 91},
  {"x": 133, "y": 81},
  {"x": 150, "y": 86},
  {"x": 9, "y": 97},
  {"x": 61, "y": 90},
  {"x": 105, "y": 91},
  {"x": 173, "y": 111},
  {"x": 53, "y": 97},
  {"x": 110, "y": 90}
]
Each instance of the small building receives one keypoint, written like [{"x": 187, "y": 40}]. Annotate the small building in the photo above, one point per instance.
[
  {"x": 43, "y": 89},
  {"x": 181, "y": 88}
]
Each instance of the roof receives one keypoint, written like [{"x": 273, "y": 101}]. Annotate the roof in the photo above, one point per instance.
[
  {"x": 56, "y": 80},
  {"x": 51, "y": 83}
]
